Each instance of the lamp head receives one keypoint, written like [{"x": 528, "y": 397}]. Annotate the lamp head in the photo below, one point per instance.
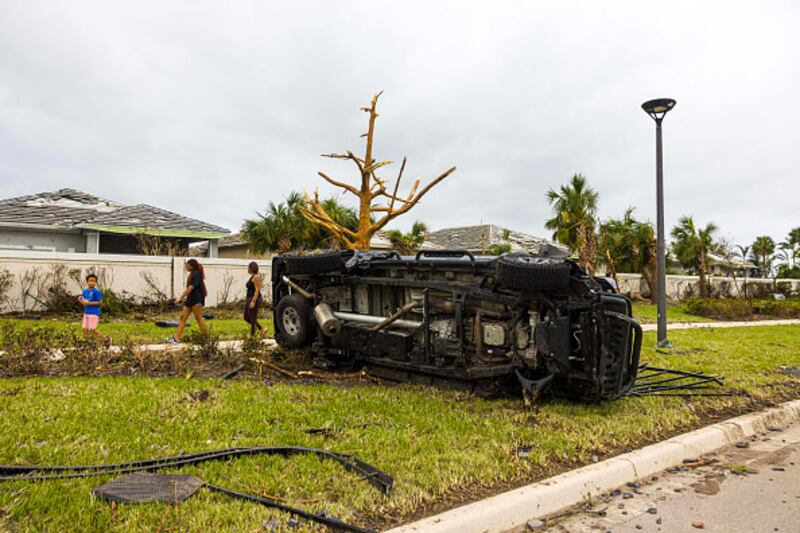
[{"x": 658, "y": 108}]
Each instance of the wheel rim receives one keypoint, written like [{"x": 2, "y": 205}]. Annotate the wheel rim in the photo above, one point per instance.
[{"x": 291, "y": 321}]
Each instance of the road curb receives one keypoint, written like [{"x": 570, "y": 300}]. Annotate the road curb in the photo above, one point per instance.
[{"x": 510, "y": 511}]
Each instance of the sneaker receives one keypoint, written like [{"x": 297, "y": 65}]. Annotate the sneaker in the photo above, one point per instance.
[{"x": 172, "y": 340}]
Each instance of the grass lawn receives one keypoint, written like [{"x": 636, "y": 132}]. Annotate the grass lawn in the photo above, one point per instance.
[
  {"x": 442, "y": 447},
  {"x": 648, "y": 314},
  {"x": 145, "y": 331},
  {"x": 230, "y": 325}
]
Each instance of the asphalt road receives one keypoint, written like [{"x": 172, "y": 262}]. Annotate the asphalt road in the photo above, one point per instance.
[{"x": 739, "y": 489}]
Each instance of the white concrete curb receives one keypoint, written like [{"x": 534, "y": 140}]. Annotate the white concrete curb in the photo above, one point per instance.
[{"x": 511, "y": 510}]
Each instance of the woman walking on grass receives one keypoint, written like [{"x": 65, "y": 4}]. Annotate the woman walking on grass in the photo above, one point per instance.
[
  {"x": 253, "y": 300},
  {"x": 193, "y": 299}
]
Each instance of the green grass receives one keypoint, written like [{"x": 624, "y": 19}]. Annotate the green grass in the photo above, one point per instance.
[
  {"x": 439, "y": 445},
  {"x": 143, "y": 331},
  {"x": 648, "y": 314}
]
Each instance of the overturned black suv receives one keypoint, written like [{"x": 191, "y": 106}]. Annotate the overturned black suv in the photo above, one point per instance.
[{"x": 535, "y": 322}]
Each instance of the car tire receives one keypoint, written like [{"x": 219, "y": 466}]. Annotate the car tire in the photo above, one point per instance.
[
  {"x": 293, "y": 321},
  {"x": 313, "y": 264},
  {"x": 524, "y": 271}
]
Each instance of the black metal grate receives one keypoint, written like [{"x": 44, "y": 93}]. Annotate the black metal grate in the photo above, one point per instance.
[{"x": 142, "y": 487}]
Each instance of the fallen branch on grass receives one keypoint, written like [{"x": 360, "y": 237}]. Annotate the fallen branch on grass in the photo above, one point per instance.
[{"x": 274, "y": 367}]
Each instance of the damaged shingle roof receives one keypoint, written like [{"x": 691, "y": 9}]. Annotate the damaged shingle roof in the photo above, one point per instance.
[
  {"x": 69, "y": 208},
  {"x": 147, "y": 216},
  {"x": 480, "y": 238}
]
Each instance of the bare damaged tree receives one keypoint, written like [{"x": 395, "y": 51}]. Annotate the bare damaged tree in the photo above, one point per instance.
[
  {"x": 224, "y": 292},
  {"x": 156, "y": 294},
  {"x": 371, "y": 189},
  {"x": 6, "y": 283}
]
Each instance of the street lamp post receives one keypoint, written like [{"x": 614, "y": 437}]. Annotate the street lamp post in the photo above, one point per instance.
[{"x": 657, "y": 109}]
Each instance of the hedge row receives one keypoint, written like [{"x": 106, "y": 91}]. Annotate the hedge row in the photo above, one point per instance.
[{"x": 731, "y": 309}]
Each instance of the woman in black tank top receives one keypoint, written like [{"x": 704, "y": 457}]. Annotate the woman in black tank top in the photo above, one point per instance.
[{"x": 253, "y": 300}]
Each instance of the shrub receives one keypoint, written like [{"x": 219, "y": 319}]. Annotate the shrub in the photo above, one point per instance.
[
  {"x": 203, "y": 345},
  {"x": 115, "y": 304},
  {"x": 732, "y": 309},
  {"x": 779, "y": 308},
  {"x": 721, "y": 309}
]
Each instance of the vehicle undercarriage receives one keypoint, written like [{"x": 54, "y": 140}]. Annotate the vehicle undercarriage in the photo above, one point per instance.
[{"x": 531, "y": 322}]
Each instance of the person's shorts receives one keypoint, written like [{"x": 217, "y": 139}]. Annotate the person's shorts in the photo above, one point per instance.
[{"x": 90, "y": 321}]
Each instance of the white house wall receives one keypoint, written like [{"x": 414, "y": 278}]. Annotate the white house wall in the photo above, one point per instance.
[{"x": 45, "y": 240}]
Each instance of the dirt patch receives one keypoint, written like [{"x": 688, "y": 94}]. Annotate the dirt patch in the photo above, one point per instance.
[
  {"x": 708, "y": 486},
  {"x": 778, "y": 457}
]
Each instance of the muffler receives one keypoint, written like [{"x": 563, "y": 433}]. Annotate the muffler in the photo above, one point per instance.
[{"x": 328, "y": 323}]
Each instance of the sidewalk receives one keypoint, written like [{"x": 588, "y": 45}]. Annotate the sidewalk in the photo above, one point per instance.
[
  {"x": 739, "y": 324},
  {"x": 753, "y": 486},
  {"x": 177, "y": 347}
]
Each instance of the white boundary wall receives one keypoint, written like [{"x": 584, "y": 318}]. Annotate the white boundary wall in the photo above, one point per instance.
[
  {"x": 127, "y": 273},
  {"x": 679, "y": 286}
]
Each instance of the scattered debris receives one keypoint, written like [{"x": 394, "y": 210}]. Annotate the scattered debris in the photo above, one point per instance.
[
  {"x": 141, "y": 484},
  {"x": 790, "y": 371},
  {"x": 742, "y": 444},
  {"x": 274, "y": 367},
  {"x": 232, "y": 373},
  {"x": 169, "y": 324},
  {"x": 272, "y": 525},
  {"x": 523, "y": 452},
  {"x": 655, "y": 381},
  {"x": 199, "y": 396},
  {"x": 652, "y": 510},
  {"x": 741, "y": 470},
  {"x": 535, "y": 525}
]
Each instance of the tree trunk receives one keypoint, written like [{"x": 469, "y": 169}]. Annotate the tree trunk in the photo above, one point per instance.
[
  {"x": 649, "y": 272},
  {"x": 702, "y": 273},
  {"x": 587, "y": 248}
]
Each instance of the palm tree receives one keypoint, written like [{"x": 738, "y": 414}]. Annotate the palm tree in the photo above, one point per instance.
[
  {"x": 763, "y": 254},
  {"x": 408, "y": 243},
  {"x": 573, "y": 224},
  {"x": 629, "y": 245},
  {"x": 692, "y": 246},
  {"x": 790, "y": 249},
  {"x": 344, "y": 216},
  {"x": 283, "y": 228}
]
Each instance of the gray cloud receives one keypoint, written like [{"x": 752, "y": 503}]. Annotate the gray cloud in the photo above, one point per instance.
[{"x": 212, "y": 111}]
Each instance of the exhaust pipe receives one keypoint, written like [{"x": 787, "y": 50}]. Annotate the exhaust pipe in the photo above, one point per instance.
[
  {"x": 370, "y": 319},
  {"x": 327, "y": 320}
]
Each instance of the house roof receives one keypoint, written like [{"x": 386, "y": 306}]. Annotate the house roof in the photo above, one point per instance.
[
  {"x": 479, "y": 238},
  {"x": 69, "y": 208},
  {"x": 234, "y": 239},
  {"x": 730, "y": 263}
]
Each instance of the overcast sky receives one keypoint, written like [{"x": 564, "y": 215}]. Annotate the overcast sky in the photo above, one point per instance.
[{"x": 212, "y": 109}]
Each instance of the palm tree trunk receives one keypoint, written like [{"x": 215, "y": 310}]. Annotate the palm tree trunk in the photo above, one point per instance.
[
  {"x": 587, "y": 248},
  {"x": 702, "y": 272}
]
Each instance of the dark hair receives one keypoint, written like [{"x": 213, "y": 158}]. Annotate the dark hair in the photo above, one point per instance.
[
  {"x": 90, "y": 276},
  {"x": 197, "y": 267},
  {"x": 252, "y": 267}
]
